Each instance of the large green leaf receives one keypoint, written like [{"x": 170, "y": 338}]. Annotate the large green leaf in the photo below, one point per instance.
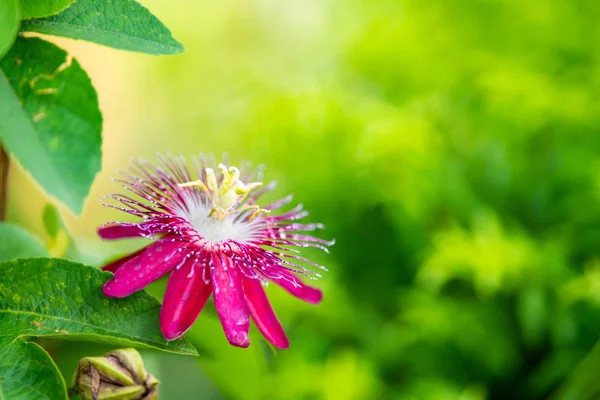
[
  {"x": 46, "y": 297},
  {"x": 123, "y": 24},
  {"x": 42, "y": 8},
  {"x": 15, "y": 242},
  {"x": 27, "y": 372},
  {"x": 49, "y": 119},
  {"x": 9, "y": 23}
]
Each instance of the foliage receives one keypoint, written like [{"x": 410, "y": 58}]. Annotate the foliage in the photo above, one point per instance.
[
  {"x": 51, "y": 121},
  {"x": 9, "y": 23},
  {"x": 121, "y": 24},
  {"x": 16, "y": 242},
  {"x": 42, "y": 8}
]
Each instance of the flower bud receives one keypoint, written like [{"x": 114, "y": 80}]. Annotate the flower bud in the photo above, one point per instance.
[{"x": 118, "y": 375}]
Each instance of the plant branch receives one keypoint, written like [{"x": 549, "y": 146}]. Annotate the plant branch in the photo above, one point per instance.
[{"x": 4, "y": 162}]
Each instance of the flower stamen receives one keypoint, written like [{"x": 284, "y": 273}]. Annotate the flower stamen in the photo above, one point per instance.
[
  {"x": 198, "y": 183},
  {"x": 225, "y": 196}
]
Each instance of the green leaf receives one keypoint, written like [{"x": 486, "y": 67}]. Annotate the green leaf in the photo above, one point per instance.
[
  {"x": 46, "y": 297},
  {"x": 10, "y": 14},
  {"x": 16, "y": 242},
  {"x": 122, "y": 24},
  {"x": 42, "y": 8},
  {"x": 27, "y": 372},
  {"x": 49, "y": 119},
  {"x": 51, "y": 219},
  {"x": 65, "y": 299}
]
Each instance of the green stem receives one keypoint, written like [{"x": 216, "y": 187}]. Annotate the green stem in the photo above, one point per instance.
[{"x": 4, "y": 163}]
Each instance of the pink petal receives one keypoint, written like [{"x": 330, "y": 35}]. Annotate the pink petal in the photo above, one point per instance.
[
  {"x": 157, "y": 259},
  {"x": 229, "y": 300},
  {"x": 299, "y": 289},
  {"x": 262, "y": 313},
  {"x": 120, "y": 231},
  {"x": 114, "y": 265},
  {"x": 184, "y": 299}
]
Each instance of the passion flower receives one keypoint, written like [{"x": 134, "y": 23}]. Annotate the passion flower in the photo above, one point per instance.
[{"x": 213, "y": 237}]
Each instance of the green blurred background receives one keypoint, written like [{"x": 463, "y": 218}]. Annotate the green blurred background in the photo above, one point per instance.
[{"x": 452, "y": 149}]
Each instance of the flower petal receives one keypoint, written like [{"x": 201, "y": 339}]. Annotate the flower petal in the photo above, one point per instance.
[
  {"x": 157, "y": 259},
  {"x": 150, "y": 228},
  {"x": 114, "y": 265},
  {"x": 184, "y": 299},
  {"x": 229, "y": 300},
  {"x": 262, "y": 313},
  {"x": 119, "y": 231},
  {"x": 299, "y": 289}
]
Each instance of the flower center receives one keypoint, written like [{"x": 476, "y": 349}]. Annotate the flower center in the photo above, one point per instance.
[{"x": 227, "y": 194}]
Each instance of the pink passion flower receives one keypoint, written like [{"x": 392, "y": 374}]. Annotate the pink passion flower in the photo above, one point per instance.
[{"x": 211, "y": 235}]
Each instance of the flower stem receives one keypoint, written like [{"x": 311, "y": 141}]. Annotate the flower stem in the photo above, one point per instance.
[{"x": 4, "y": 163}]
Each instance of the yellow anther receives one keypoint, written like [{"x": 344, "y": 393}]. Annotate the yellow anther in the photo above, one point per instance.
[
  {"x": 198, "y": 183},
  {"x": 241, "y": 188},
  {"x": 258, "y": 212},
  {"x": 225, "y": 172},
  {"x": 235, "y": 176},
  {"x": 211, "y": 180}
]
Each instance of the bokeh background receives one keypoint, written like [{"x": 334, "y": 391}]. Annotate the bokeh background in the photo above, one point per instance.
[{"x": 452, "y": 149}]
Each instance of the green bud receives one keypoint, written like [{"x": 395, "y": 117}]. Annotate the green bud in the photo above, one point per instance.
[{"x": 118, "y": 375}]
